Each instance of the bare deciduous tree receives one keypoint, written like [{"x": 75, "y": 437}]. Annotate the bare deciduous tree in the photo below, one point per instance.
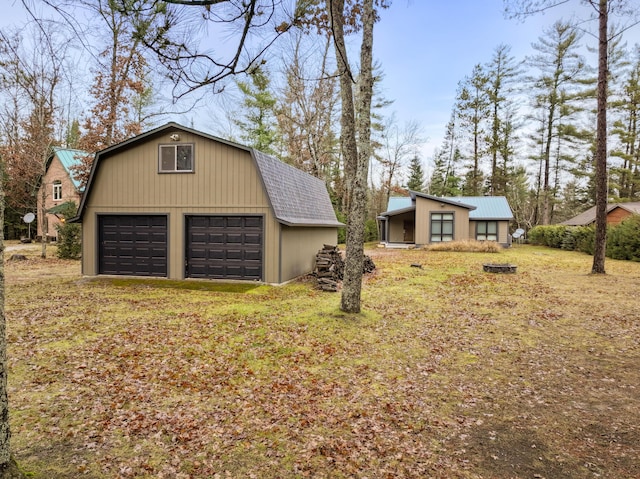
[
  {"x": 35, "y": 77},
  {"x": 398, "y": 145}
]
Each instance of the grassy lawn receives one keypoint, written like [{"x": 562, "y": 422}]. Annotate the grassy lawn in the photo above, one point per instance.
[{"x": 450, "y": 372}]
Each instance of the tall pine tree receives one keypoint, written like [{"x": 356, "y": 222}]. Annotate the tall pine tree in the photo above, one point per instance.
[
  {"x": 416, "y": 181},
  {"x": 258, "y": 120}
]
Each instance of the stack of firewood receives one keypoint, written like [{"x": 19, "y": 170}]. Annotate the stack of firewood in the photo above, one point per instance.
[
  {"x": 368, "y": 265},
  {"x": 330, "y": 267}
]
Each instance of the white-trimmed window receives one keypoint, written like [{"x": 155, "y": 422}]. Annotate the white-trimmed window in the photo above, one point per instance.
[
  {"x": 176, "y": 158},
  {"x": 57, "y": 190},
  {"x": 487, "y": 231},
  {"x": 441, "y": 227}
]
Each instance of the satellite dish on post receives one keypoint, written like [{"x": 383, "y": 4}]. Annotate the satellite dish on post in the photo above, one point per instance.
[
  {"x": 28, "y": 218},
  {"x": 517, "y": 234}
]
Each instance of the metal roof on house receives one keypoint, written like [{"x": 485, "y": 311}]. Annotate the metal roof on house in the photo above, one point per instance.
[
  {"x": 399, "y": 203},
  {"x": 480, "y": 207},
  {"x": 487, "y": 207},
  {"x": 587, "y": 217},
  {"x": 69, "y": 158},
  {"x": 296, "y": 197}
]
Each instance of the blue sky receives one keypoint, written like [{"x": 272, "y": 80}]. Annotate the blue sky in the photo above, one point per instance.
[{"x": 425, "y": 47}]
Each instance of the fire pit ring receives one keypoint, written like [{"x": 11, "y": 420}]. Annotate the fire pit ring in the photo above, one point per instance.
[{"x": 499, "y": 268}]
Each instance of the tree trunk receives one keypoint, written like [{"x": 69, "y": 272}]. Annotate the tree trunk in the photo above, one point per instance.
[
  {"x": 42, "y": 217},
  {"x": 356, "y": 152},
  {"x": 8, "y": 467},
  {"x": 350, "y": 301},
  {"x": 546, "y": 184},
  {"x": 4, "y": 407},
  {"x": 601, "y": 145}
]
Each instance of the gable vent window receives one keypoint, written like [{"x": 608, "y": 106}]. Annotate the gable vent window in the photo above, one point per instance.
[
  {"x": 57, "y": 190},
  {"x": 176, "y": 158}
]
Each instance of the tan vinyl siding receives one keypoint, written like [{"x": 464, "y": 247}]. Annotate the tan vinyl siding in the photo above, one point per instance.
[
  {"x": 503, "y": 232},
  {"x": 225, "y": 181},
  {"x": 223, "y": 176},
  {"x": 299, "y": 249},
  {"x": 424, "y": 208}
]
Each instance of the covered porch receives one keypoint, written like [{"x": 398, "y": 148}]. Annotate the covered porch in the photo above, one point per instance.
[{"x": 397, "y": 229}]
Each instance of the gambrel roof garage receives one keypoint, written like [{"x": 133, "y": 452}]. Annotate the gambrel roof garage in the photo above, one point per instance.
[{"x": 178, "y": 203}]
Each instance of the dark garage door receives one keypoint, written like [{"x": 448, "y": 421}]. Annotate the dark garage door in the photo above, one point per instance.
[
  {"x": 133, "y": 245},
  {"x": 224, "y": 247}
]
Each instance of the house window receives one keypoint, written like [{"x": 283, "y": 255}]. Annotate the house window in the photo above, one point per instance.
[
  {"x": 441, "y": 227},
  {"x": 57, "y": 190},
  {"x": 176, "y": 158},
  {"x": 487, "y": 231}
]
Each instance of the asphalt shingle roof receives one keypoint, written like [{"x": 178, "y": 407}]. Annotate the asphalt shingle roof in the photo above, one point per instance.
[
  {"x": 297, "y": 198},
  {"x": 587, "y": 217}
]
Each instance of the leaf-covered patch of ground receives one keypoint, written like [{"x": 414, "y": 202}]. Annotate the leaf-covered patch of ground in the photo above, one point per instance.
[{"x": 451, "y": 372}]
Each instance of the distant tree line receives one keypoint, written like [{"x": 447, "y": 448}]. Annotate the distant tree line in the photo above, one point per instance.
[
  {"x": 523, "y": 128},
  {"x": 526, "y": 130}
]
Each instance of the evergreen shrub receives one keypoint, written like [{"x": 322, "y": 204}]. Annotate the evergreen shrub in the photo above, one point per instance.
[
  {"x": 584, "y": 238},
  {"x": 548, "y": 235},
  {"x": 69, "y": 234},
  {"x": 69, "y": 242},
  {"x": 623, "y": 240},
  {"x": 536, "y": 235}
]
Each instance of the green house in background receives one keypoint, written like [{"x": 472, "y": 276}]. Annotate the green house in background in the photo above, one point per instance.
[{"x": 57, "y": 187}]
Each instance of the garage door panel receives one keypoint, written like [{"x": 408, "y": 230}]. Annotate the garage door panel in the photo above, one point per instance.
[
  {"x": 198, "y": 237},
  {"x": 215, "y": 221},
  {"x": 251, "y": 271},
  {"x": 133, "y": 245},
  {"x": 198, "y": 254},
  {"x": 232, "y": 250},
  {"x": 252, "y": 239},
  {"x": 158, "y": 238},
  {"x": 217, "y": 254},
  {"x": 253, "y": 222},
  {"x": 235, "y": 222},
  {"x": 234, "y": 238},
  {"x": 255, "y": 255},
  {"x": 234, "y": 254},
  {"x": 216, "y": 238}
]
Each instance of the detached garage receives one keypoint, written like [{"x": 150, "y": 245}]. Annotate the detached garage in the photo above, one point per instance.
[{"x": 178, "y": 203}]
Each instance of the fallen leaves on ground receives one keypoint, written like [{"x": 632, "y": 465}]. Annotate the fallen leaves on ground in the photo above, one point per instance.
[{"x": 449, "y": 373}]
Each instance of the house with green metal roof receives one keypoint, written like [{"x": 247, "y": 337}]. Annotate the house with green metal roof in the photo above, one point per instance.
[
  {"x": 58, "y": 186},
  {"x": 420, "y": 219}
]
